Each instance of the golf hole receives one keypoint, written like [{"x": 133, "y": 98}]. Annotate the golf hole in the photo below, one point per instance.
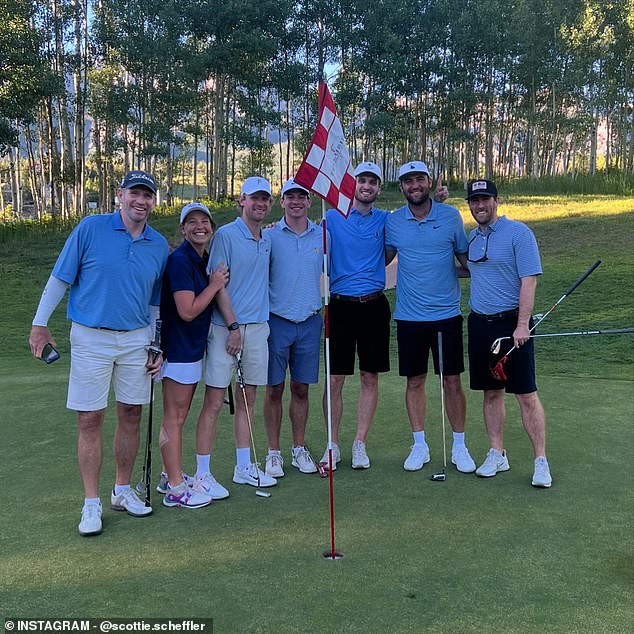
[{"x": 332, "y": 555}]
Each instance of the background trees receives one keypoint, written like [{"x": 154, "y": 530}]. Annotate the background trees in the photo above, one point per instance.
[{"x": 207, "y": 91}]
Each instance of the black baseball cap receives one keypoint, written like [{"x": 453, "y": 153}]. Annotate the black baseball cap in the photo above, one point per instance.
[
  {"x": 138, "y": 178},
  {"x": 481, "y": 188}
]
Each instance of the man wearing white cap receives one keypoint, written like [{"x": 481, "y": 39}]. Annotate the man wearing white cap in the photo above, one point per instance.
[
  {"x": 428, "y": 237},
  {"x": 295, "y": 324},
  {"x": 246, "y": 250}
]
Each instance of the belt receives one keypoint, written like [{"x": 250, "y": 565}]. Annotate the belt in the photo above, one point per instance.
[
  {"x": 109, "y": 329},
  {"x": 359, "y": 299},
  {"x": 507, "y": 314},
  {"x": 295, "y": 321}
]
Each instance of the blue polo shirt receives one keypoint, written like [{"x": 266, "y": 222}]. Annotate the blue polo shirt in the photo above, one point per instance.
[
  {"x": 184, "y": 341},
  {"x": 427, "y": 287},
  {"x": 296, "y": 265},
  {"x": 512, "y": 253},
  {"x": 357, "y": 255},
  {"x": 248, "y": 261},
  {"x": 113, "y": 277}
]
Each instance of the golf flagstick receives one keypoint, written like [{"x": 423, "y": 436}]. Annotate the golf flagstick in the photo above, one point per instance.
[{"x": 441, "y": 477}]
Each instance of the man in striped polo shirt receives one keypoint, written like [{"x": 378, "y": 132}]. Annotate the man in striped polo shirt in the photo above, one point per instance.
[{"x": 504, "y": 263}]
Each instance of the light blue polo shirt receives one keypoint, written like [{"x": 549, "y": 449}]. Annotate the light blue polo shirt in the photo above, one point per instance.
[
  {"x": 427, "y": 287},
  {"x": 296, "y": 265},
  {"x": 512, "y": 253},
  {"x": 357, "y": 256},
  {"x": 248, "y": 261},
  {"x": 113, "y": 277}
]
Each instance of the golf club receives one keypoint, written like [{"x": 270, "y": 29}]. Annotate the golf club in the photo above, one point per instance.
[
  {"x": 155, "y": 350},
  {"x": 229, "y": 400},
  {"x": 497, "y": 367},
  {"x": 441, "y": 477},
  {"x": 240, "y": 377},
  {"x": 495, "y": 348}
]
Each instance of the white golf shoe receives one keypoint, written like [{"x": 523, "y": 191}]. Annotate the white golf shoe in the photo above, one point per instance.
[
  {"x": 336, "y": 457},
  {"x": 208, "y": 485},
  {"x": 249, "y": 475},
  {"x": 360, "y": 458},
  {"x": 495, "y": 463},
  {"x": 462, "y": 459},
  {"x": 183, "y": 495},
  {"x": 303, "y": 460},
  {"x": 418, "y": 457},
  {"x": 274, "y": 463},
  {"x": 90, "y": 523},
  {"x": 541, "y": 476},
  {"x": 129, "y": 501},
  {"x": 163, "y": 482}
]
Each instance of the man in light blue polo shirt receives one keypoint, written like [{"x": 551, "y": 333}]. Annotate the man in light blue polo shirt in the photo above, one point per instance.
[
  {"x": 504, "y": 264},
  {"x": 295, "y": 324},
  {"x": 428, "y": 237},
  {"x": 246, "y": 250},
  {"x": 113, "y": 264}
]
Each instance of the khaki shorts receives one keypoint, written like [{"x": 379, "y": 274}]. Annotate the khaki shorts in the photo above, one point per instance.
[
  {"x": 101, "y": 357},
  {"x": 255, "y": 355}
]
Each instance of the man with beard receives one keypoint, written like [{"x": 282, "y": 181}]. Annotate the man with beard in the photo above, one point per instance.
[{"x": 428, "y": 236}]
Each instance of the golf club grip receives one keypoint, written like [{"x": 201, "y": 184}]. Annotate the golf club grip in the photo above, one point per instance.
[
  {"x": 158, "y": 326},
  {"x": 440, "y": 359},
  {"x": 232, "y": 405},
  {"x": 582, "y": 278}
]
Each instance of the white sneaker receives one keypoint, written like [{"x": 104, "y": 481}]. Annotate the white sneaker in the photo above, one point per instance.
[
  {"x": 542, "y": 477},
  {"x": 273, "y": 464},
  {"x": 208, "y": 485},
  {"x": 90, "y": 523},
  {"x": 336, "y": 457},
  {"x": 303, "y": 460},
  {"x": 183, "y": 495},
  {"x": 161, "y": 487},
  {"x": 418, "y": 457},
  {"x": 360, "y": 458},
  {"x": 462, "y": 459},
  {"x": 249, "y": 475},
  {"x": 494, "y": 463},
  {"x": 129, "y": 501}
]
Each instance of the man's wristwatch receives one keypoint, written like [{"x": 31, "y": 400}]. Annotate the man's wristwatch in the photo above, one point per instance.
[{"x": 234, "y": 326}]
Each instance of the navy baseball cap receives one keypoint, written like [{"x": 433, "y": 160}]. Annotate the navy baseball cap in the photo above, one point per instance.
[
  {"x": 481, "y": 188},
  {"x": 138, "y": 178}
]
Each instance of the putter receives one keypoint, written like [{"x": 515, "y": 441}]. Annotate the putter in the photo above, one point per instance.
[
  {"x": 495, "y": 348},
  {"x": 497, "y": 368},
  {"x": 441, "y": 477},
  {"x": 240, "y": 377}
]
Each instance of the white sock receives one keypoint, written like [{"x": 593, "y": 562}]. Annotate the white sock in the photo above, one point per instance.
[
  {"x": 275, "y": 452},
  {"x": 89, "y": 501},
  {"x": 296, "y": 450},
  {"x": 458, "y": 439},
  {"x": 419, "y": 437},
  {"x": 120, "y": 488},
  {"x": 243, "y": 457},
  {"x": 202, "y": 464}
]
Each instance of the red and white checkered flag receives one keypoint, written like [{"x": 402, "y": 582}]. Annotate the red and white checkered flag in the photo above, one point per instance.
[{"x": 326, "y": 169}]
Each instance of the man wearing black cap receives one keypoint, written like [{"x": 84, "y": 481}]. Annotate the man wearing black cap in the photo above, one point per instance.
[
  {"x": 113, "y": 264},
  {"x": 503, "y": 259}
]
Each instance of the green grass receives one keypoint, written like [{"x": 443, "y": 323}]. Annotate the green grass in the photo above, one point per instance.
[{"x": 468, "y": 555}]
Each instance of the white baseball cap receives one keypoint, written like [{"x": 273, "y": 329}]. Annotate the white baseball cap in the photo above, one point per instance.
[
  {"x": 290, "y": 184},
  {"x": 368, "y": 168},
  {"x": 413, "y": 167},
  {"x": 195, "y": 206},
  {"x": 255, "y": 184}
]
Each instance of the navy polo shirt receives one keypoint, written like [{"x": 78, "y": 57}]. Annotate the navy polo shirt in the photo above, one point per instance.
[{"x": 183, "y": 341}]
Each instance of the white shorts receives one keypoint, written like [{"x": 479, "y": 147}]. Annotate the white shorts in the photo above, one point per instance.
[
  {"x": 99, "y": 357},
  {"x": 255, "y": 355},
  {"x": 185, "y": 373}
]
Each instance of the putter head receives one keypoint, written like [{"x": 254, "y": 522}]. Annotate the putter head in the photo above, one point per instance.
[
  {"x": 438, "y": 477},
  {"x": 322, "y": 469},
  {"x": 262, "y": 494}
]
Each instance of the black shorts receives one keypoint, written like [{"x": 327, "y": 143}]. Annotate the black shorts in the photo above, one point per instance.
[
  {"x": 519, "y": 367},
  {"x": 361, "y": 328},
  {"x": 417, "y": 338}
]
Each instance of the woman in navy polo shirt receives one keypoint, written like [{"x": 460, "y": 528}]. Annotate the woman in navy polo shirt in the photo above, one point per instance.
[{"x": 186, "y": 299}]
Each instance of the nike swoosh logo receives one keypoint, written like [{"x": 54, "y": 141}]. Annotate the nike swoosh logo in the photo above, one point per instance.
[{"x": 436, "y": 226}]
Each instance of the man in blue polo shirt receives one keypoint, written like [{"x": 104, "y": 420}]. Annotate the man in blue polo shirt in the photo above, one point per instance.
[
  {"x": 428, "y": 237},
  {"x": 295, "y": 324},
  {"x": 113, "y": 264},
  {"x": 246, "y": 250},
  {"x": 504, "y": 262}
]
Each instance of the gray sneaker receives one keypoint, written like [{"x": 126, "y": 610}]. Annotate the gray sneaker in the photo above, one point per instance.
[
  {"x": 336, "y": 457},
  {"x": 129, "y": 501},
  {"x": 541, "y": 476},
  {"x": 273, "y": 464},
  {"x": 303, "y": 460},
  {"x": 90, "y": 523},
  {"x": 495, "y": 462},
  {"x": 161, "y": 487},
  {"x": 360, "y": 458},
  {"x": 208, "y": 485}
]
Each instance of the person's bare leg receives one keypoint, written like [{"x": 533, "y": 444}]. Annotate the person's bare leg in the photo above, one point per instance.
[
  {"x": 336, "y": 404},
  {"x": 534, "y": 421},
  {"x": 273, "y": 414},
  {"x": 89, "y": 450},
  {"x": 368, "y": 398},
  {"x": 455, "y": 402},
  {"x": 240, "y": 422},
  {"x": 415, "y": 401},
  {"x": 126, "y": 441},
  {"x": 298, "y": 412},
  {"x": 208, "y": 419},
  {"x": 494, "y": 410}
]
